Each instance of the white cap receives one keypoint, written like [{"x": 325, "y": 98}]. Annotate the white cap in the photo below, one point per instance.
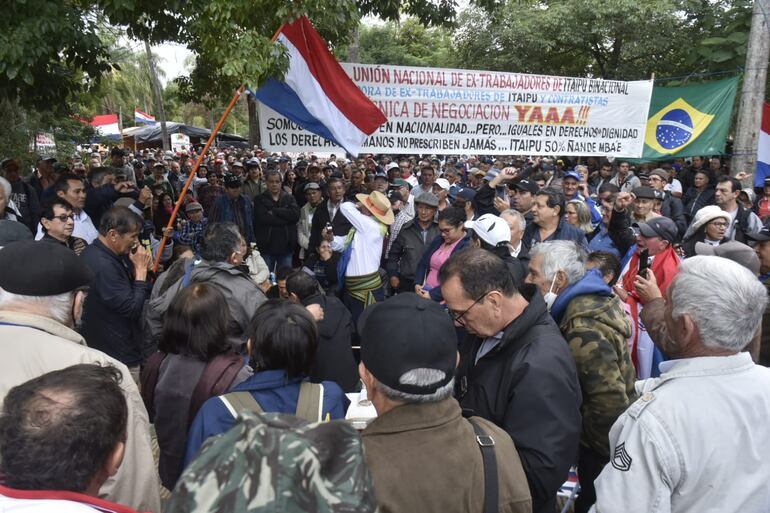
[
  {"x": 392, "y": 165},
  {"x": 491, "y": 229},
  {"x": 443, "y": 183}
]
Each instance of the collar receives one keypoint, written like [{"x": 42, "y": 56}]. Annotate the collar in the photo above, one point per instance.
[
  {"x": 414, "y": 416},
  {"x": 267, "y": 380},
  {"x": 41, "y": 323},
  {"x": 61, "y": 495},
  {"x": 704, "y": 366}
]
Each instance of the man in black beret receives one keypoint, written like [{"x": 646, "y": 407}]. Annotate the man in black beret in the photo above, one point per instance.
[
  {"x": 408, "y": 361},
  {"x": 42, "y": 289}
]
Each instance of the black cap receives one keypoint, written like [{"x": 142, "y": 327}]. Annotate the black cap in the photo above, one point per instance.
[
  {"x": 117, "y": 152},
  {"x": 660, "y": 226},
  {"x": 41, "y": 269},
  {"x": 232, "y": 181},
  {"x": 404, "y": 333},
  {"x": 760, "y": 236},
  {"x": 527, "y": 186}
]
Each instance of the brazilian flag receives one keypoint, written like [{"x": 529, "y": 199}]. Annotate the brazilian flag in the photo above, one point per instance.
[{"x": 689, "y": 121}]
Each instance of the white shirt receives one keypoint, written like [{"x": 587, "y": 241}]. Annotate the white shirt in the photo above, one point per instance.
[
  {"x": 695, "y": 441},
  {"x": 515, "y": 251},
  {"x": 367, "y": 242},
  {"x": 674, "y": 186},
  {"x": 84, "y": 228}
]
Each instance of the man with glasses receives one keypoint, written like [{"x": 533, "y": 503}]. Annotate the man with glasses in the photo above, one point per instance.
[
  {"x": 58, "y": 222},
  {"x": 406, "y": 172},
  {"x": 515, "y": 367}
]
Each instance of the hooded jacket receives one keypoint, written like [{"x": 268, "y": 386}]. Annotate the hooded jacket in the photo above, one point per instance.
[
  {"x": 528, "y": 385},
  {"x": 597, "y": 330},
  {"x": 242, "y": 295}
]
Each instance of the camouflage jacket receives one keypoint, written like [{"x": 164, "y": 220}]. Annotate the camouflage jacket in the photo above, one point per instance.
[
  {"x": 275, "y": 462},
  {"x": 597, "y": 329}
]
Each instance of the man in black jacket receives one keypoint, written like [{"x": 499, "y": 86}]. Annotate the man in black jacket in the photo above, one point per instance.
[
  {"x": 275, "y": 223},
  {"x": 334, "y": 360},
  {"x": 515, "y": 368},
  {"x": 112, "y": 314},
  {"x": 672, "y": 207},
  {"x": 328, "y": 212}
]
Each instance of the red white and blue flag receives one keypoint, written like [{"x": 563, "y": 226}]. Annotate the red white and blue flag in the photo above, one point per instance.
[
  {"x": 317, "y": 94},
  {"x": 763, "y": 150},
  {"x": 143, "y": 118},
  {"x": 106, "y": 125}
]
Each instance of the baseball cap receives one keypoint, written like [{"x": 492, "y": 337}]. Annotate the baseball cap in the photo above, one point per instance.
[
  {"x": 394, "y": 196},
  {"x": 443, "y": 183},
  {"x": 767, "y": 181},
  {"x": 252, "y": 163},
  {"x": 381, "y": 174},
  {"x": 237, "y": 163},
  {"x": 572, "y": 174},
  {"x": 400, "y": 182},
  {"x": 466, "y": 193},
  {"x": 491, "y": 229},
  {"x": 478, "y": 172},
  {"x": 527, "y": 186},
  {"x": 406, "y": 333},
  {"x": 193, "y": 206},
  {"x": 660, "y": 226},
  {"x": 392, "y": 165},
  {"x": 732, "y": 250},
  {"x": 312, "y": 186},
  {"x": 232, "y": 181}
]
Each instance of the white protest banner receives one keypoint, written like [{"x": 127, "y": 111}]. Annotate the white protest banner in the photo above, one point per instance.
[
  {"x": 450, "y": 111},
  {"x": 180, "y": 142},
  {"x": 43, "y": 144}
]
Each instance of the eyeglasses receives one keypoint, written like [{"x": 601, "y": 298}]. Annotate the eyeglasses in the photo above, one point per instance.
[
  {"x": 63, "y": 218},
  {"x": 458, "y": 317},
  {"x": 719, "y": 224}
]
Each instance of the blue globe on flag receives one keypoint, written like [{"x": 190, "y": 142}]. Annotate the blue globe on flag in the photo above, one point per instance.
[{"x": 674, "y": 129}]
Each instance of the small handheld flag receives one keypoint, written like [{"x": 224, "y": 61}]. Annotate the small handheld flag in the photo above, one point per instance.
[{"x": 317, "y": 94}]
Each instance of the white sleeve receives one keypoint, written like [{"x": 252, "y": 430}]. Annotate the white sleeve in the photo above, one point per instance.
[
  {"x": 338, "y": 243},
  {"x": 643, "y": 468},
  {"x": 755, "y": 224},
  {"x": 359, "y": 221}
]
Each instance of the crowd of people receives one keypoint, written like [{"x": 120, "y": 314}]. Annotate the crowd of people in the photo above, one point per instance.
[{"x": 508, "y": 318}]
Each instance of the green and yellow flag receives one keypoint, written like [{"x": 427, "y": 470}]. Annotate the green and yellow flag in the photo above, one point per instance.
[{"x": 689, "y": 121}]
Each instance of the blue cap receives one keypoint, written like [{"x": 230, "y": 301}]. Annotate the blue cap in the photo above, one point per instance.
[
  {"x": 466, "y": 193},
  {"x": 572, "y": 174}
]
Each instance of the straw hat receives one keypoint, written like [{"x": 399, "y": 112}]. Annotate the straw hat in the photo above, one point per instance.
[{"x": 378, "y": 204}]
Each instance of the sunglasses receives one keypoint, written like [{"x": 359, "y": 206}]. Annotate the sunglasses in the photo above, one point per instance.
[{"x": 63, "y": 218}]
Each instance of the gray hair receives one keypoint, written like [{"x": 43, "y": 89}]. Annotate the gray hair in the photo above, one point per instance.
[
  {"x": 580, "y": 167},
  {"x": 561, "y": 255},
  {"x": 725, "y": 301},
  {"x": 519, "y": 218},
  {"x": 420, "y": 377},
  {"x": 6, "y": 185},
  {"x": 58, "y": 307}
]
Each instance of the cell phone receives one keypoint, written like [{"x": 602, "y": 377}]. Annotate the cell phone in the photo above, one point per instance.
[
  {"x": 644, "y": 262},
  {"x": 501, "y": 191},
  {"x": 328, "y": 227}
]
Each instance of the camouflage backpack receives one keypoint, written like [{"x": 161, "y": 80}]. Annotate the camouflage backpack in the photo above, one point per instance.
[{"x": 274, "y": 462}]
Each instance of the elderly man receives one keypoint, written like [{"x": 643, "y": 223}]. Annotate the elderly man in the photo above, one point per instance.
[
  {"x": 517, "y": 223},
  {"x": 407, "y": 211},
  {"x": 44, "y": 426},
  {"x": 192, "y": 228},
  {"x": 41, "y": 297},
  {"x": 684, "y": 444},
  {"x": 596, "y": 328},
  {"x": 671, "y": 207},
  {"x": 222, "y": 252},
  {"x": 313, "y": 199},
  {"x": 234, "y": 207},
  {"x": 58, "y": 222},
  {"x": 515, "y": 367},
  {"x": 23, "y": 194},
  {"x": 408, "y": 360}
]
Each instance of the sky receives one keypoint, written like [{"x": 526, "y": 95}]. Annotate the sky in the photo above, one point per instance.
[{"x": 172, "y": 57}]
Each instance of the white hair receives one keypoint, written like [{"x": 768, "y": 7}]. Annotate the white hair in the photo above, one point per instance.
[
  {"x": 561, "y": 255},
  {"x": 519, "y": 218},
  {"x": 420, "y": 377},
  {"x": 6, "y": 185},
  {"x": 724, "y": 299},
  {"x": 58, "y": 307}
]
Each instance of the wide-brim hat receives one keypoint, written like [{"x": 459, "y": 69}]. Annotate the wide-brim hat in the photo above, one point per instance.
[{"x": 379, "y": 205}]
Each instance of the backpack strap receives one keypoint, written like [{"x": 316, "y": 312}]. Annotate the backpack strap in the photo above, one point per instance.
[
  {"x": 237, "y": 402},
  {"x": 149, "y": 380},
  {"x": 487, "y": 446},
  {"x": 310, "y": 402},
  {"x": 216, "y": 379}
]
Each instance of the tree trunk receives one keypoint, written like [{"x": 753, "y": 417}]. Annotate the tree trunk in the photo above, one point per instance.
[
  {"x": 254, "y": 136},
  {"x": 354, "y": 50},
  {"x": 753, "y": 94},
  {"x": 158, "y": 97}
]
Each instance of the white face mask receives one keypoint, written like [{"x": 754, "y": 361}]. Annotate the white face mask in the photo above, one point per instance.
[{"x": 550, "y": 296}]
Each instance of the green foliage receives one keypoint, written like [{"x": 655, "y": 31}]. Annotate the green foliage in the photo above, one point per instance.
[
  {"x": 618, "y": 39},
  {"x": 407, "y": 44}
]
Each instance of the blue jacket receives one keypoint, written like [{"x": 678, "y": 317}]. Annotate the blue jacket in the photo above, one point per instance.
[
  {"x": 424, "y": 266},
  {"x": 224, "y": 211},
  {"x": 112, "y": 314},
  {"x": 274, "y": 393}
]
